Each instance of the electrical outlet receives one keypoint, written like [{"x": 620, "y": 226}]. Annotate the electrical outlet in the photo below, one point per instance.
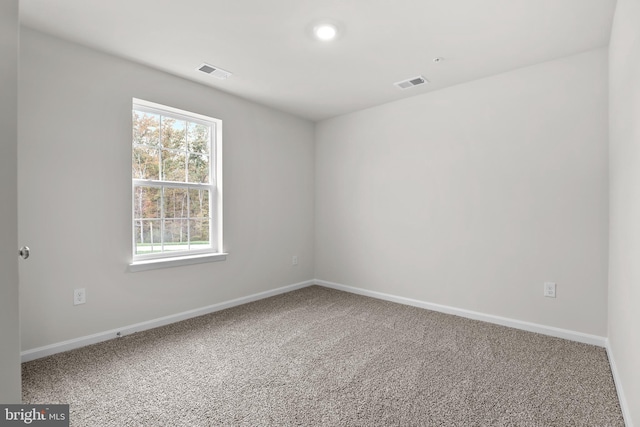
[
  {"x": 79, "y": 296},
  {"x": 294, "y": 260},
  {"x": 549, "y": 289}
]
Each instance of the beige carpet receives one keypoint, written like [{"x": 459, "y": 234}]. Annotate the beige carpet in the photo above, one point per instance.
[{"x": 317, "y": 356}]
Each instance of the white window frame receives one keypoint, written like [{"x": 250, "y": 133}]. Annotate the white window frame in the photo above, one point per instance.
[{"x": 190, "y": 256}]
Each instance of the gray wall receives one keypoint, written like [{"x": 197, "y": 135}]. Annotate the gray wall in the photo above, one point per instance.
[
  {"x": 75, "y": 194},
  {"x": 624, "y": 200},
  {"x": 9, "y": 326},
  {"x": 475, "y": 195}
]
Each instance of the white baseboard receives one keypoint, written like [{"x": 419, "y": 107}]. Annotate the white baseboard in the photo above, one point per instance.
[
  {"x": 616, "y": 379},
  {"x": 504, "y": 321},
  {"x": 51, "y": 349},
  {"x": 48, "y": 350}
]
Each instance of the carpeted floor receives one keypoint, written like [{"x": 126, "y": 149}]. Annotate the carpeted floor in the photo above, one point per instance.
[{"x": 321, "y": 357}]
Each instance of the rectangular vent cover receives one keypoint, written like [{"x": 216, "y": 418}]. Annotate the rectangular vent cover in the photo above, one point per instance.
[
  {"x": 414, "y": 81},
  {"x": 216, "y": 72}
]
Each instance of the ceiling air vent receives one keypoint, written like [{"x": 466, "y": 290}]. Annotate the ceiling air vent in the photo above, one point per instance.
[
  {"x": 414, "y": 81},
  {"x": 216, "y": 72}
]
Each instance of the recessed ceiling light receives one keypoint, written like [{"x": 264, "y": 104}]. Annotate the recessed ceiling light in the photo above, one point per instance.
[{"x": 325, "y": 32}]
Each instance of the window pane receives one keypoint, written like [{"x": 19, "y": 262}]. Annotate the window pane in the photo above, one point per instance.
[
  {"x": 198, "y": 138},
  {"x": 198, "y": 168},
  {"x": 176, "y": 237},
  {"x": 172, "y": 162},
  {"x": 148, "y": 236},
  {"x": 199, "y": 203},
  {"x": 173, "y": 166},
  {"x": 145, "y": 163},
  {"x": 146, "y": 202},
  {"x": 175, "y": 203},
  {"x": 174, "y": 133},
  {"x": 146, "y": 128},
  {"x": 199, "y": 229}
]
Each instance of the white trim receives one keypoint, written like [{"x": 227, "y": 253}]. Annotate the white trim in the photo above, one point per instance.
[
  {"x": 216, "y": 234},
  {"x": 48, "y": 350},
  {"x": 624, "y": 406},
  {"x": 155, "y": 108},
  {"x": 504, "y": 321},
  {"x": 176, "y": 261}
]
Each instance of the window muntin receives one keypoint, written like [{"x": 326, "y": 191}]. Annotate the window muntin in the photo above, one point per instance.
[{"x": 175, "y": 181}]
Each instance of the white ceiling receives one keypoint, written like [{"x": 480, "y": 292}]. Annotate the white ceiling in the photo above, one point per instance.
[{"x": 274, "y": 61}]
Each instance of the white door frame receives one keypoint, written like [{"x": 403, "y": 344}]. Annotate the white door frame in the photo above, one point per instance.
[{"x": 10, "y": 374}]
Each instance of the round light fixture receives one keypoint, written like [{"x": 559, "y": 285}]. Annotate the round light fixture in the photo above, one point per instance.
[{"x": 325, "y": 32}]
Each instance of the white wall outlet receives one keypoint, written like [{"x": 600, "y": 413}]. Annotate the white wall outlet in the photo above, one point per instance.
[
  {"x": 79, "y": 296},
  {"x": 294, "y": 260},
  {"x": 549, "y": 289}
]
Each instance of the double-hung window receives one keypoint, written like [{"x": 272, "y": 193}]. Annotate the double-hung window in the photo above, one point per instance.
[{"x": 176, "y": 183}]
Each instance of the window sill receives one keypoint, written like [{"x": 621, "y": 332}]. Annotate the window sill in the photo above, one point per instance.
[{"x": 152, "y": 264}]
